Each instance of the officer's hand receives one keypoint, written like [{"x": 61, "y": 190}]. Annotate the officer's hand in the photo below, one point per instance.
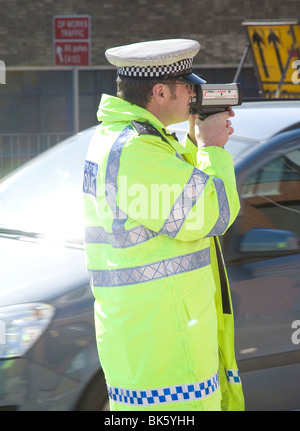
[{"x": 213, "y": 131}]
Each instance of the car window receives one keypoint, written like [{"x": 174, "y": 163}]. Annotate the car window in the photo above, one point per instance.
[{"x": 271, "y": 197}]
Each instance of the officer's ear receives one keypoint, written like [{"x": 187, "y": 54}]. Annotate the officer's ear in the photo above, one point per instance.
[{"x": 159, "y": 92}]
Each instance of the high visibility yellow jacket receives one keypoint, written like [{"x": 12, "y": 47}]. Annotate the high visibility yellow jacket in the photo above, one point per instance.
[{"x": 154, "y": 208}]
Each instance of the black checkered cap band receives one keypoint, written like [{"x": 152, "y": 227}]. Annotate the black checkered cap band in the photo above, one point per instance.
[{"x": 175, "y": 69}]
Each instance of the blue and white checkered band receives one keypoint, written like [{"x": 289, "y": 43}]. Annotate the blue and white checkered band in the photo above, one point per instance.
[
  {"x": 176, "y": 69},
  {"x": 164, "y": 395},
  {"x": 233, "y": 377}
]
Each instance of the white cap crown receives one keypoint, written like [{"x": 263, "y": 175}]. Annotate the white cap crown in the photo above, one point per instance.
[{"x": 154, "y": 59}]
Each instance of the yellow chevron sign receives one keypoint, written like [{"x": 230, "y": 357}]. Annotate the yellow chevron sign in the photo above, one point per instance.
[{"x": 275, "y": 47}]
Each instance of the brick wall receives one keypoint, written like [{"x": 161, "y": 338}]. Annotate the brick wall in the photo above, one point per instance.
[{"x": 26, "y": 31}]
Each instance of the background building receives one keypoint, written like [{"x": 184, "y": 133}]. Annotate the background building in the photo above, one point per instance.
[
  {"x": 26, "y": 31},
  {"x": 45, "y": 99}
]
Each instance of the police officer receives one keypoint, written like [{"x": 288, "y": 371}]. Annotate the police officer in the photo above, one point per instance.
[{"x": 154, "y": 208}]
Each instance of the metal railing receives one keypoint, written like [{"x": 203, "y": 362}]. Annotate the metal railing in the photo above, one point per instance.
[{"x": 18, "y": 148}]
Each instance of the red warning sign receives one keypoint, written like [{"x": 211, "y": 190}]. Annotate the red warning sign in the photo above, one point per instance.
[{"x": 72, "y": 40}]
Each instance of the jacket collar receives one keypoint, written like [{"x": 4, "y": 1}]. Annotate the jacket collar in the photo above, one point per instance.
[{"x": 113, "y": 109}]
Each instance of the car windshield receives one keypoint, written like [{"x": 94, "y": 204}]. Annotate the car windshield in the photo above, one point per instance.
[
  {"x": 44, "y": 196},
  {"x": 238, "y": 146}
]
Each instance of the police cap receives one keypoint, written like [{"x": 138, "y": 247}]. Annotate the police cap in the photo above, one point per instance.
[{"x": 169, "y": 58}]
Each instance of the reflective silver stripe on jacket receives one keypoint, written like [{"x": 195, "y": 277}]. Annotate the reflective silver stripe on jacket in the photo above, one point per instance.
[
  {"x": 184, "y": 203},
  {"x": 168, "y": 394},
  {"x": 150, "y": 272},
  {"x": 123, "y": 239},
  {"x": 224, "y": 210},
  {"x": 112, "y": 171}
]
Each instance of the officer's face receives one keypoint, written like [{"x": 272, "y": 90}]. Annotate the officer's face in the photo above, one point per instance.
[
  {"x": 170, "y": 102},
  {"x": 178, "y": 101}
]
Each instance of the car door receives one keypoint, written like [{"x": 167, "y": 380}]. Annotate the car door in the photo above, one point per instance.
[{"x": 263, "y": 262}]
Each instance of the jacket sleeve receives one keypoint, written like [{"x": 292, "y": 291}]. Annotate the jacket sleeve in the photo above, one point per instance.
[{"x": 186, "y": 199}]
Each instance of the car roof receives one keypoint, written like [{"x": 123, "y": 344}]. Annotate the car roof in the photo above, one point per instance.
[{"x": 259, "y": 120}]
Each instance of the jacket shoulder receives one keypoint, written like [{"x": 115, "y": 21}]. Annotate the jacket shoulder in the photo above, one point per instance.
[{"x": 144, "y": 128}]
